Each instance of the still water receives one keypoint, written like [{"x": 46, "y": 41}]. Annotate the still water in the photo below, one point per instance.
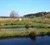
[
  {"x": 16, "y": 28},
  {"x": 26, "y": 41},
  {"x": 21, "y": 28}
]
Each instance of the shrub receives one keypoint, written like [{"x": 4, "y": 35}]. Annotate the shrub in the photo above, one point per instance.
[
  {"x": 32, "y": 35},
  {"x": 12, "y": 24},
  {"x": 32, "y": 26},
  {"x": 41, "y": 34},
  {"x": 6, "y": 24},
  {"x": 48, "y": 33},
  {"x": 27, "y": 26}
]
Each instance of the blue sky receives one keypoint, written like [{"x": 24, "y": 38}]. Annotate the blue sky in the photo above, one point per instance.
[{"x": 23, "y": 7}]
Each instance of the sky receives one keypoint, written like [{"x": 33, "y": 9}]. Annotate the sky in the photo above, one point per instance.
[{"x": 23, "y": 7}]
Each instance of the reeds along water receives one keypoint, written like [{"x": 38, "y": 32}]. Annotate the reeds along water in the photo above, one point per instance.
[{"x": 32, "y": 35}]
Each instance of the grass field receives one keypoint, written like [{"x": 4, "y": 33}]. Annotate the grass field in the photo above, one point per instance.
[
  {"x": 43, "y": 25},
  {"x": 35, "y": 22}
]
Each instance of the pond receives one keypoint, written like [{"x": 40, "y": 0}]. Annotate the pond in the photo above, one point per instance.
[
  {"x": 21, "y": 28},
  {"x": 13, "y": 28},
  {"x": 16, "y": 28},
  {"x": 26, "y": 41}
]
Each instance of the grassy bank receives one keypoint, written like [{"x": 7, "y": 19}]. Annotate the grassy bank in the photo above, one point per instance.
[
  {"x": 44, "y": 28},
  {"x": 23, "y": 33}
]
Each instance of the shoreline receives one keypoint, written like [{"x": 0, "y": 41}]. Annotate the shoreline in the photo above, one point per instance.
[{"x": 23, "y": 34}]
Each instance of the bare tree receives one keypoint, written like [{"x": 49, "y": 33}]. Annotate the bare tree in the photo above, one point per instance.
[{"x": 13, "y": 14}]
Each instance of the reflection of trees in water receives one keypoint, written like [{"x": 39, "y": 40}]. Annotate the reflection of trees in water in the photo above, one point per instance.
[
  {"x": 33, "y": 41},
  {"x": 33, "y": 38}
]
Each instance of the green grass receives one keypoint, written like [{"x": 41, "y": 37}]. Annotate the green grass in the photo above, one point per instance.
[
  {"x": 34, "y": 25},
  {"x": 12, "y": 26},
  {"x": 41, "y": 27},
  {"x": 33, "y": 22},
  {"x": 23, "y": 33}
]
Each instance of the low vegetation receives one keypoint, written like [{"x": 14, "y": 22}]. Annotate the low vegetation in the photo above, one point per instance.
[
  {"x": 41, "y": 25},
  {"x": 22, "y": 33},
  {"x": 32, "y": 35},
  {"x": 48, "y": 33}
]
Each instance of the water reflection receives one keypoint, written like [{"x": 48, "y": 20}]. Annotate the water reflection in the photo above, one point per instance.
[
  {"x": 27, "y": 41},
  {"x": 33, "y": 39}
]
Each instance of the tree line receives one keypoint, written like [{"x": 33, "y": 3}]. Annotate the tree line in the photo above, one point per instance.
[{"x": 39, "y": 14}]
